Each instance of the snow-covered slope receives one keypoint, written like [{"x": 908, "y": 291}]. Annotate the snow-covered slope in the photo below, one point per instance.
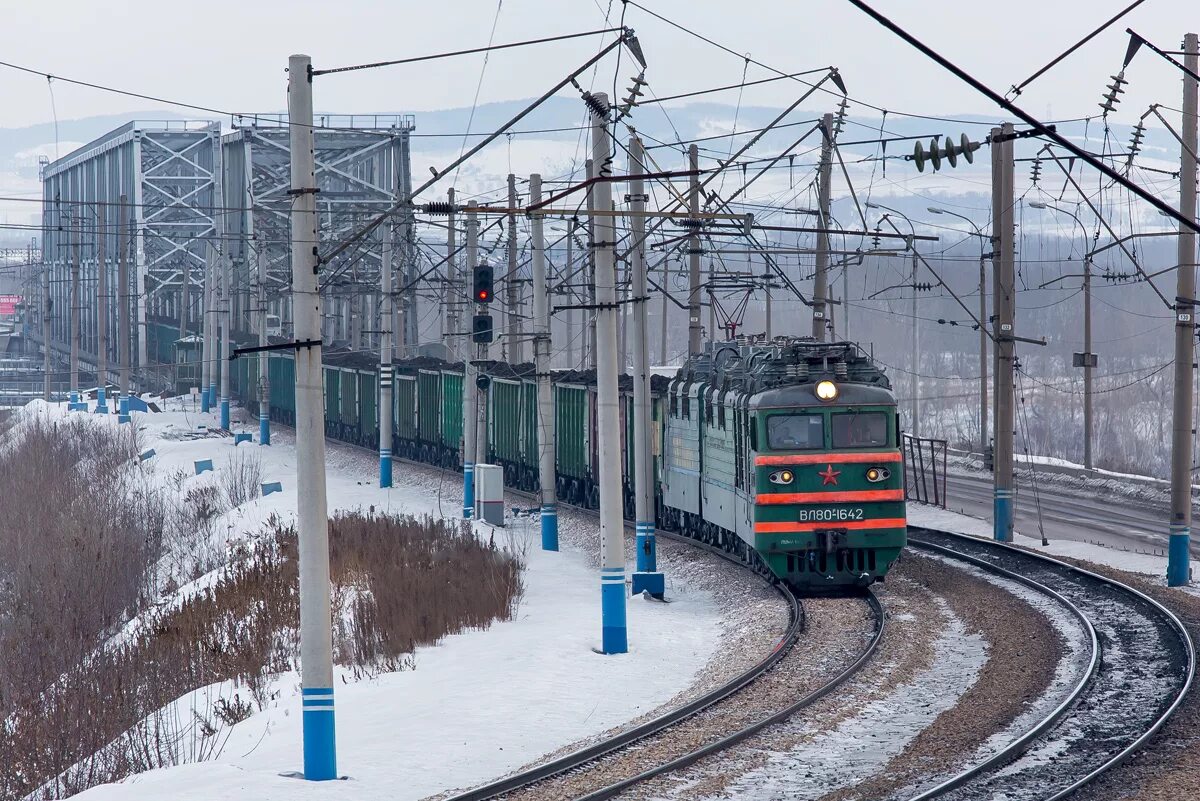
[{"x": 477, "y": 705}]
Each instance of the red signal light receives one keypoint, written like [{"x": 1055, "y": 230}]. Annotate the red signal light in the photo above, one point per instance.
[{"x": 483, "y": 296}]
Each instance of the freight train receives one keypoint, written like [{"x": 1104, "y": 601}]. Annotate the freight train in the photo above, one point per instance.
[{"x": 783, "y": 452}]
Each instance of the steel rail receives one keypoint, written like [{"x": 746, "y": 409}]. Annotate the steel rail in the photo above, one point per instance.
[
  {"x": 743, "y": 734},
  {"x": 607, "y": 746},
  {"x": 1022, "y": 743},
  {"x": 591, "y": 753},
  {"x": 1010, "y": 751}
]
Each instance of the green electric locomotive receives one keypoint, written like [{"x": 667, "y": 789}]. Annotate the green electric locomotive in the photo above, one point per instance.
[{"x": 790, "y": 450}]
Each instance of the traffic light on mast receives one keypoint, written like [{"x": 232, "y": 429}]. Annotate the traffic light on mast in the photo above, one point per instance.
[{"x": 483, "y": 283}]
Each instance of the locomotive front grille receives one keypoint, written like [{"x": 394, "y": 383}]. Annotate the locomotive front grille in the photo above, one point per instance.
[{"x": 820, "y": 561}]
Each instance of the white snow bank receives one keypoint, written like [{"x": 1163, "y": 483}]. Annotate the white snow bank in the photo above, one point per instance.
[{"x": 476, "y": 706}]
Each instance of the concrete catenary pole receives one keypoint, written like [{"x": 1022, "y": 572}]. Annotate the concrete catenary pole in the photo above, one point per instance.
[
  {"x": 316, "y": 636},
  {"x": 1087, "y": 363},
  {"x": 693, "y": 250},
  {"x": 821, "y": 277},
  {"x": 208, "y": 349},
  {"x": 264, "y": 377},
  {"x": 453, "y": 292},
  {"x": 916, "y": 348},
  {"x": 612, "y": 523},
  {"x": 983, "y": 359},
  {"x": 470, "y": 417},
  {"x": 647, "y": 578},
  {"x": 1004, "y": 300},
  {"x": 47, "y": 321},
  {"x": 226, "y": 265},
  {"x": 666, "y": 285},
  {"x": 512, "y": 350},
  {"x": 547, "y": 443},
  {"x": 1178, "y": 553},
  {"x": 590, "y": 315},
  {"x": 123, "y": 339},
  {"x": 76, "y": 302},
  {"x": 102, "y": 309},
  {"x": 385, "y": 358}
]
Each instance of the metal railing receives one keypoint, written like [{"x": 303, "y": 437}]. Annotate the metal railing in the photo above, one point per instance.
[{"x": 924, "y": 479}]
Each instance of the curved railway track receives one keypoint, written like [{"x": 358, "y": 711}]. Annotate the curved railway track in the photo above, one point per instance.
[
  {"x": 1141, "y": 664},
  {"x": 610, "y": 746}
]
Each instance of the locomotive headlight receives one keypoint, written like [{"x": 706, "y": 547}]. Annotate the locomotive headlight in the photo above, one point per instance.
[
  {"x": 782, "y": 477},
  {"x": 827, "y": 390},
  {"x": 877, "y": 474}
]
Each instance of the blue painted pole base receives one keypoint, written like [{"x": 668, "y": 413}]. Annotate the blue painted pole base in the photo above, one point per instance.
[
  {"x": 320, "y": 745},
  {"x": 101, "y": 402},
  {"x": 123, "y": 408},
  {"x": 468, "y": 490},
  {"x": 1002, "y": 510},
  {"x": 614, "y": 634},
  {"x": 648, "y": 578},
  {"x": 122, "y": 418},
  {"x": 549, "y": 527},
  {"x": 385, "y": 468},
  {"x": 72, "y": 397},
  {"x": 264, "y": 430},
  {"x": 204, "y": 401},
  {"x": 225, "y": 413},
  {"x": 212, "y": 395},
  {"x": 1179, "y": 569},
  {"x": 654, "y": 583}
]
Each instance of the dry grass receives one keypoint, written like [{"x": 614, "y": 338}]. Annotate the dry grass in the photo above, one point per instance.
[{"x": 82, "y": 709}]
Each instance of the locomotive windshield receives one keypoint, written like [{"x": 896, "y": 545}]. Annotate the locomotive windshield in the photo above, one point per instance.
[
  {"x": 860, "y": 430},
  {"x": 795, "y": 432}
]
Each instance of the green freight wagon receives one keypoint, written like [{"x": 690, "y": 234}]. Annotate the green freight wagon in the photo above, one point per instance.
[
  {"x": 368, "y": 407},
  {"x": 452, "y": 418},
  {"x": 348, "y": 402},
  {"x": 333, "y": 401},
  {"x": 572, "y": 442},
  {"x": 429, "y": 409},
  {"x": 405, "y": 441}
]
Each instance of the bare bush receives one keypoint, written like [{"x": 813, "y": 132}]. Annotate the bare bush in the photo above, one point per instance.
[
  {"x": 241, "y": 479},
  {"x": 402, "y": 582}
]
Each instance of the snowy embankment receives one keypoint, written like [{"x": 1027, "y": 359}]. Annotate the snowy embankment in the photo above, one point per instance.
[{"x": 479, "y": 704}]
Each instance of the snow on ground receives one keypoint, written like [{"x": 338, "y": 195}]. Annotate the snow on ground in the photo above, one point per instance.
[{"x": 480, "y": 704}]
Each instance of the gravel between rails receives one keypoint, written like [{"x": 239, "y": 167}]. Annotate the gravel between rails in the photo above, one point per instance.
[
  {"x": 1140, "y": 674},
  {"x": 1168, "y": 767},
  {"x": 755, "y": 614},
  {"x": 1023, "y": 650},
  {"x": 837, "y": 631},
  {"x": 913, "y": 622}
]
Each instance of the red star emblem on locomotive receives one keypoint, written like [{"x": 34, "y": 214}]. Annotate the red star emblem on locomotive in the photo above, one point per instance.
[{"x": 829, "y": 475}]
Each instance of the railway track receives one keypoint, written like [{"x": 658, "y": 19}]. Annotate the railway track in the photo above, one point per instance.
[
  {"x": 731, "y": 692},
  {"x": 1141, "y": 665}
]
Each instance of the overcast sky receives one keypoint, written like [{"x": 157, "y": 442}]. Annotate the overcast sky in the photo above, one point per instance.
[{"x": 231, "y": 55}]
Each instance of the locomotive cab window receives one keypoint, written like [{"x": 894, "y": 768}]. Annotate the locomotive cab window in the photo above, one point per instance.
[
  {"x": 788, "y": 432},
  {"x": 860, "y": 430}
]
